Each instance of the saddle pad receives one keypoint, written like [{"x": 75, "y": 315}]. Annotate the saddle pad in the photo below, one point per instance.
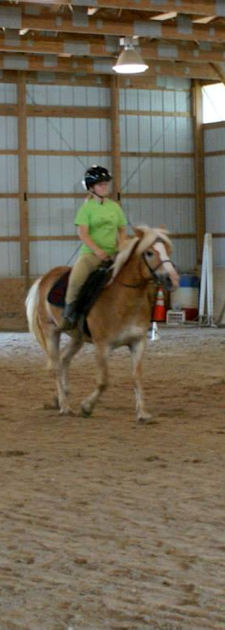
[
  {"x": 57, "y": 293},
  {"x": 88, "y": 293}
]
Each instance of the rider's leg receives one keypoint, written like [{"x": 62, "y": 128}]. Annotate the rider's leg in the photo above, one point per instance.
[{"x": 79, "y": 274}]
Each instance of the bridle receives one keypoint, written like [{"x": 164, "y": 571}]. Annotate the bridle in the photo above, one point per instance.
[{"x": 152, "y": 271}]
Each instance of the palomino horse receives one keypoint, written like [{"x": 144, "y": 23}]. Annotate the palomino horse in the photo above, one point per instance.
[{"x": 120, "y": 316}]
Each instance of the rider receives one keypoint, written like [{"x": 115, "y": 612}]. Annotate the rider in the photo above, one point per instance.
[{"x": 101, "y": 228}]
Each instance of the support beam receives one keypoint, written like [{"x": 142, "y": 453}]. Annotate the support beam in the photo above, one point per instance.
[
  {"x": 199, "y": 168},
  {"x": 220, "y": 71},
  {"x": 77, "y": 65},
  {"x": 115, "y": 130},
  {"x": 22, "y": 159},
  {"x": 120, "y": 28},
  {"x": 97, "y": 46},
  {"x": 164, "y": 6}
]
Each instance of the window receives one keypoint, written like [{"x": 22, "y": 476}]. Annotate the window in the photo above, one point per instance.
[{"x": 213, "y": 100}]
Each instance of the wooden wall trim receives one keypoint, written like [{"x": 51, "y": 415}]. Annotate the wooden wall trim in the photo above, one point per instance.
[
  {"x": 115, "y": 137},
  {"x": 22, "y": 152},
  {"x": 199, "y": 168}
]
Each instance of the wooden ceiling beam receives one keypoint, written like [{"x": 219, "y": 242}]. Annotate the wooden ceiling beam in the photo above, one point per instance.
[
  {"x": 205, "y": 8},
  {"x": 118, "y": 28},
  {"x": 101, "y": 67},
  {"x": 220, "y": 71},
  {"x": 97, "y": 47}
]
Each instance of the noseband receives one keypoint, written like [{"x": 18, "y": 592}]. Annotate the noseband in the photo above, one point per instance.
[{"x": 152, "y": 271}]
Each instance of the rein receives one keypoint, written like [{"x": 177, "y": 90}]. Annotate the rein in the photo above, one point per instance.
[{"x": 143, "y": 283}]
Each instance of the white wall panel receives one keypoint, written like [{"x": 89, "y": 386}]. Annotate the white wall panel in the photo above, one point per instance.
[
  {"x": 219, "y": 253},
  {"x": 9, "y": 217},
  {"x": 184, "y": 135},
  {"x": 177, "y": 214},
  {"x": 69, "y": 134},
  {"x": 214, "y": 139},
  {"x": 157, "y": 175},
  {"x": 158, "y": 133},
  {"x": 59, "y": 174},
  {"x": 52, "y": 217},
  {"x": 215, "y": 214},
  {"x": 8, "y": 173},
  {"x": 44, "y": 255},
  {"x": 68, "y": 95},
  {"x": 173, "y": 83},
  {"x": 184, "y": 254},
  {"x": 183, "y": 101},
  {"x": 10, "y": 259},
  {"x": 8, "y": 132},
  {"x": 214, "y": 173},
  {"x": 155, "y": 100},
  {"x": 8, "y": 93}
]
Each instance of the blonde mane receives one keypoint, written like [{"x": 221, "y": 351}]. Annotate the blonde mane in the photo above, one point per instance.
[{"x": 144, "y": 238}]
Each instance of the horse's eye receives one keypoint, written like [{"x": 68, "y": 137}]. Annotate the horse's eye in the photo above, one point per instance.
[{"x": 149, "y": 254}]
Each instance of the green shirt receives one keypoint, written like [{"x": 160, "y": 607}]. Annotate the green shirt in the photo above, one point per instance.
[{"x": 103, "y": 221}]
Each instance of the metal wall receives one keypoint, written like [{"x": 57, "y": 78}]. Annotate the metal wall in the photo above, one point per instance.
[
  {"x": 161, "y": 124},
  {"x": 58, "y": 174},
  {"x": 214, "y": 142},
  {"x": 155, "y": 123},
  {"x": 9, "y": 207}
]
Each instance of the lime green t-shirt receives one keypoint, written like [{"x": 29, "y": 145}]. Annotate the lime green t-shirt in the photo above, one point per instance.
[{"x": 103, "y": 221}]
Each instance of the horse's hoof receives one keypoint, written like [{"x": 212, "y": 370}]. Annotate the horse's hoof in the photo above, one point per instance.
[
  {"x": 85, "y": 411},
  {"x": 145, "y": 419},
  {"x": 53, "y": 405},
  {"x": 66, "y": 412}
]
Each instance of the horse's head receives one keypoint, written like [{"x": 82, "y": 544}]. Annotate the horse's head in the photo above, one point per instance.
[{"x": 155, "y": 248}]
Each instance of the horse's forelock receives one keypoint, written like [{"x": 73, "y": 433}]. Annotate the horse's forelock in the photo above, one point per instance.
[
  {"x": 150, "y": 235},
  {"x": 141, "y": 244}
]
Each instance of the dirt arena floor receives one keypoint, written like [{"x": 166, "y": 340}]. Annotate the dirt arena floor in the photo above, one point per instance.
[{"x": 105, "y": 524}]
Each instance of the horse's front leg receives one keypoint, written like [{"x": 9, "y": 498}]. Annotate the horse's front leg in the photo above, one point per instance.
[
  {"x": 89, "y": 403},
  {"x": 137, "y": 350}
]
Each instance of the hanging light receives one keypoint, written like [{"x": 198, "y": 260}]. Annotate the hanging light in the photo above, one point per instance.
[{"x": 130, "y": 61}]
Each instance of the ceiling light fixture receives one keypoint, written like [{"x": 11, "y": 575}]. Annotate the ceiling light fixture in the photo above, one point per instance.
[
  {"x": 130, "y": 61},
  {"x": 91, "y": 11}
]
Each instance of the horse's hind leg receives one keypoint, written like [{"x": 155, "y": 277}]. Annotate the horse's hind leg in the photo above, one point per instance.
[
  {"x": 52, "y": 343},
  {"x": 137, "y": 350},
  {"x": 71, "y": 349},
  {"x": 89, "y": 403}
]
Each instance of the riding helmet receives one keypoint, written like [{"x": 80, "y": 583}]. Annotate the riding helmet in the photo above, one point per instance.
[{"x": 95, "y": 175}]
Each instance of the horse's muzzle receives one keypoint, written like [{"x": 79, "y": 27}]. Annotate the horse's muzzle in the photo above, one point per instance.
[{"x": 166, "y": 281}]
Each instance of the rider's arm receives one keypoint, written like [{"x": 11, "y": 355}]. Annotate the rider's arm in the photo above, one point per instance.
[
  {"x": 121, "y": 236},
  {"x": 84, "y": 236}
]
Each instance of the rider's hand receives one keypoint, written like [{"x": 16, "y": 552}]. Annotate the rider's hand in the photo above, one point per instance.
[{"x": 101, "y": 254}]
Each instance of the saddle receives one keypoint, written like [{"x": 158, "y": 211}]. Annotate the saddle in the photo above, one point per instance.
[{"x": 88, "y": 293}]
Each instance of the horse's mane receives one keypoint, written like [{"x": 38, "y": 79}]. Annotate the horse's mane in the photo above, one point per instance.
[{"x": 144, "y": 239}]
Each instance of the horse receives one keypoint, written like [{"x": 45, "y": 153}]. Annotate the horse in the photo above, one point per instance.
[{"x": 119, "y": 317}]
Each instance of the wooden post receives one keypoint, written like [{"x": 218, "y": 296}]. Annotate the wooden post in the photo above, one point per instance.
[
  {"x": 22, "y": 157},
  {"x": 115, "y": 137},
  {"x": 199, "y": 169}
]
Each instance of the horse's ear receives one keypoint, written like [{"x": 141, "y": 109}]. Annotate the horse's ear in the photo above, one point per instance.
[{"x": 139, "y": 233}]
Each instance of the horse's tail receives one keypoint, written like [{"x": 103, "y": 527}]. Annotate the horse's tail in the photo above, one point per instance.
[{"x": 32, "y": 314}]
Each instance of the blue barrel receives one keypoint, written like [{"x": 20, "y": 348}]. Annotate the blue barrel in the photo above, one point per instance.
[{"x": 186, "y": 296}]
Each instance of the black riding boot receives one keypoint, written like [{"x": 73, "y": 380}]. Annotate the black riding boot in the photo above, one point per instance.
[{"x": 70, "y": 316}]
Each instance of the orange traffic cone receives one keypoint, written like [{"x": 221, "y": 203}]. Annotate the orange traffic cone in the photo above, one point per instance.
[{"x": 159, "y": 312}]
